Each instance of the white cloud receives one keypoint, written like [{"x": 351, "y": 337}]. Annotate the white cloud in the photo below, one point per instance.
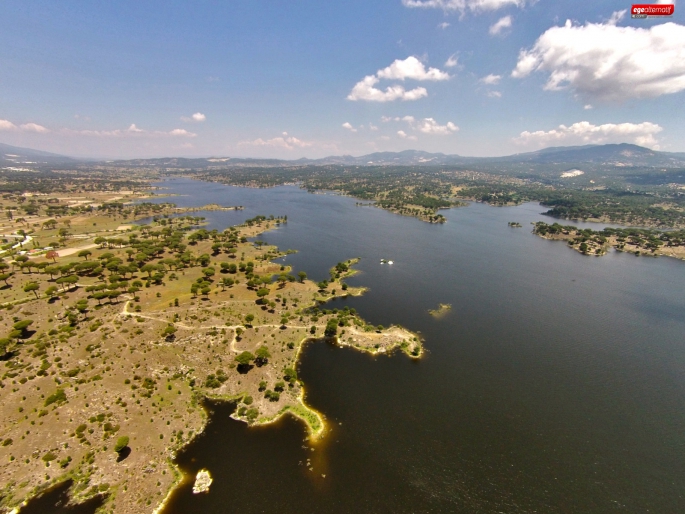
[
  {"x": 452, "y": 61},
  {"x": 33, "y": 127},
  {"x": 131, "y": 131},
  {"x": 197, "y": 117},
  {"x": 7, "y": 125},
  {"x": 425, "y": 126},
  {"x": 616, "y": 16},
  {"x": 443, "y": 25},
  {"x": 349, "y": 127},
  {"x": 25, "y": 127},
  {"x": 494, "y": 94},
  {"x": 372, "y": 127},
  {"x": 607, "y": 62},
  {"x": 409, "y": 68},
  {"x": 430, "y": 126},
  {"x": 587, "y": 107},
  {"x": 585, "y": 132},
  {"x": 365, "y": 90},
  {"x": 404, "y": 135},
  {"x": 463, "y": 5},
  {"x": 181, "y": 132},
  {"x": 287, "y": 142},
  {"x": 491, "y": 79},
  {"x": 500, "y": 25}
]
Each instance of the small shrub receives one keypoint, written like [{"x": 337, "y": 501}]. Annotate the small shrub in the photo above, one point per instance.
[{"x": 122, "y": 443}]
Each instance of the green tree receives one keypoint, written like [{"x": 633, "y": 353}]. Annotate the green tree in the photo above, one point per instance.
[
  {"x": 32, "y": 287},
  {"x": 51, "y": 291},
  {"x": 243, "y": 360},
  {"x": 148, "y": 268},
  {"x": 85, "y": 254},
  {"x": 262, "y": 356},
  {"x": 302, "y": 276},
  {"x": 249, "y": 318},
  {"x": 262, "y": 293},
  {"x": 331, "y": 328},
  {"x": 4, "y": 277},
  {"x": 169, "y": 332}
]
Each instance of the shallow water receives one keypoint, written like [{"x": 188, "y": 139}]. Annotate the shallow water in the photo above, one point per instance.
[{"x": 556, "y": 383}]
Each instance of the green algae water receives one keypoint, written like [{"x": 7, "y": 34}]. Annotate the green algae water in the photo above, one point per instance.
[{"x": 555, "y": 384}]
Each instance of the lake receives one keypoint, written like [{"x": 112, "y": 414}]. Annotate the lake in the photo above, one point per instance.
[{"x": 555, "y": 384}]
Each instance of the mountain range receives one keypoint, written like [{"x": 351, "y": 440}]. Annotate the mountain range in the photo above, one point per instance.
[{"x": 615, "y": 155}]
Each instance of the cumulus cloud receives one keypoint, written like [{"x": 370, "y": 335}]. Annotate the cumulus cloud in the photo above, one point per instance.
[
  {"x": 443, "y": 25},
  {"x": 463, "y": 5},
  {"x": 491, "y": 79},
  {"x": 500, "y": 25},
  {"x": 404, "y": 135},
  {"x": 365, "y": 90},
  {"x": 286, "y": 141},
  {"x": 425, "y": 126},
  {"x": 607, "y": 62},
  {"x": 372, "y": 127},
  {"x": 197, "y": 117},
  {"x": 585, "y": 132},
  {"x": 349, "y": 127},
  {"x": 33, "y": 127},
  {"x": 494, "y": 94},
  {"x": 409, "y": 68},
  {"x": 430, "y": 126},
  {"x": 7, "y": 125},
  {"x": 25, "y": 127}
]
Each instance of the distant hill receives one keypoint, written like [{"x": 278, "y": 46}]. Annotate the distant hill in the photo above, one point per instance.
[
  {"x": 15, "y": 155},
  {"x": 613, "y": 154},
  {"x": 610, "y": 155}
]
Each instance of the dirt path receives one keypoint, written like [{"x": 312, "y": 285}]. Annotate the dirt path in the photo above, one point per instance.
[
  {"x": 126, "y": 312},
  {"x": 71, "y": 251}
]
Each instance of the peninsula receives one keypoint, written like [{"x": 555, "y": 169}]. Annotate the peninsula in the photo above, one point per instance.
[
  {"x": 114, "y": 332},
  {"x": 646, "y": 242}
]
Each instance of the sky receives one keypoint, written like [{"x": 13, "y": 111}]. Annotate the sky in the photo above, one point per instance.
[{"x": 312, "y": 78}]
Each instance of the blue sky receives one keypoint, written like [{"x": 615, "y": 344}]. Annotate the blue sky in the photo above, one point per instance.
[{"x": 304, "y": 78}]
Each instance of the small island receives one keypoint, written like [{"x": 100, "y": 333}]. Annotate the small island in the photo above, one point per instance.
[
  {"x": 202, "y": 482},
  {"x": 514, "y": 224},
  {"x": 443, "y": 308}
]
